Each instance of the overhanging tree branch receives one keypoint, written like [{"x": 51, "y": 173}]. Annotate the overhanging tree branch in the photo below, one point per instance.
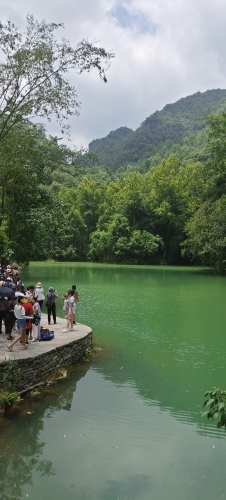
[{"x": 32, "y": 81}]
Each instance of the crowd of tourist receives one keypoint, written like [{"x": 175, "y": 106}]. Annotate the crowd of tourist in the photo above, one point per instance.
[{"x": 21, "y": 310}]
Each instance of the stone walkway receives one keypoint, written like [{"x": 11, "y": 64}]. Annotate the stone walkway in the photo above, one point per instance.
[{"x": 36, "y": 348}]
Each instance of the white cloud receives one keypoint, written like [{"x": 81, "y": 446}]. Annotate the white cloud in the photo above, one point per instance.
[{"x": 165, "y": 49}]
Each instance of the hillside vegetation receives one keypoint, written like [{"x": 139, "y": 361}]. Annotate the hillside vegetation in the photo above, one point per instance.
[
  {"x": 180, "y": 128},
  {"x": 171, "y": 212}
]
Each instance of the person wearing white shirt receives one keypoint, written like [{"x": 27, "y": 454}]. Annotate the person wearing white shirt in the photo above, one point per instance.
[
  {"x": 39, "y": 293},
  {"x": 19, "y": 313}
]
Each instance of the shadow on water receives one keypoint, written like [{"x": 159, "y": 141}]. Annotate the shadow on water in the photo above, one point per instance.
[
  {"x": 52, "y": 271},
  {"x": 21, "y": 450}
]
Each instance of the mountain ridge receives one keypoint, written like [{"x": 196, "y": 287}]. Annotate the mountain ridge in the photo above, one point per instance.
[{"x": 161, "y": 133}]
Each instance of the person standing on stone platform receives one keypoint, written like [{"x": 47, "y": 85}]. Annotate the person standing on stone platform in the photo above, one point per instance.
[
  {"x": 51, "y": 297},
  {"x": 70, "y": 304},
  {"x": 75, "y": 293},
  {"x": 39, "y": 293},
  {"x": 29, "y": 312},
  {"x": 9, "y": 317},
  {"x": 2, "y": 311},
  {"x": 19, "y": 313},
  {"x": 36, "y": 334}
]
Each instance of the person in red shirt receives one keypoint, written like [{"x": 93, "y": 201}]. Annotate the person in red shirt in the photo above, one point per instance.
[{"x": 29, "y": 312}]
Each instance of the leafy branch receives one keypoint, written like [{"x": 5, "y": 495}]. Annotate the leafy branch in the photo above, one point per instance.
[
  {"x": 216, "y": 404},
  {"x": 32, "y": 70}
]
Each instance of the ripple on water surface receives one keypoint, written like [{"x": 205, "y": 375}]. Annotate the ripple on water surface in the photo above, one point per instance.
[{"x": 133, "y": 427}]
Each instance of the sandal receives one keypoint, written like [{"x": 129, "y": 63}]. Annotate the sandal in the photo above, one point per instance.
[
  {"x": 9, "y": 347},
  {"x": 23, "y": 347}
]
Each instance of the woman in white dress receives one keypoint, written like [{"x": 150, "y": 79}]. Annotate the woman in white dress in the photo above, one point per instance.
[{"x": 36, "y": 320}]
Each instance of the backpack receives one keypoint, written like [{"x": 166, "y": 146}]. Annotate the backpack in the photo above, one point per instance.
[
  {"x": 46, "y": 334},
  {"x": 49, "y": 299}
]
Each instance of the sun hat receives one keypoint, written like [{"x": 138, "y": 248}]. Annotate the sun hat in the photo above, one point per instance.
[{"x": 39, "y": 285}]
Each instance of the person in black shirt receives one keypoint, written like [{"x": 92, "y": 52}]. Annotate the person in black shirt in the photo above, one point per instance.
[{"x": 9, "y": 317}]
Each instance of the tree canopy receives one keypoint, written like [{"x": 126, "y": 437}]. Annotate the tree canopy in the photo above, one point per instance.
[
  {"x": 59, "y": 203},
  {"x": 32, "y": 73},
  {"x": 179, "y": 128}
]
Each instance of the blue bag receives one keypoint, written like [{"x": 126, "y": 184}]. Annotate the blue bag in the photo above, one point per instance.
[{"x": 47, "y": 335}]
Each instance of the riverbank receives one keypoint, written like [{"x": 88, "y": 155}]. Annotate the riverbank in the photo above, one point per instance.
[{"x": 41, "y": 359}]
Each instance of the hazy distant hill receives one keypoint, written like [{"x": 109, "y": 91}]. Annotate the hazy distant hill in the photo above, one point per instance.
[{"x": 179, "y": 128}]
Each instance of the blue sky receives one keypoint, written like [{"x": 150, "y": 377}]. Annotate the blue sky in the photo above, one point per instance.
[
  {"x": 133, "y": 20},
  {"x": 165, "y": 50}
]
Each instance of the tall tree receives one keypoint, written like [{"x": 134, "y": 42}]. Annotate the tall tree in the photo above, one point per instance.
[
  {"x": 33, "y": 69},
  {"x": 215, "y": 171},
  {"x": 174, "y": 194},
  {"x": 206, "y": 232}
]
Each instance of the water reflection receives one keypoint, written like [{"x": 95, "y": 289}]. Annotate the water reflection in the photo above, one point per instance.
[
  {"x": 147, "y": 381},
  {"x": 137, "y": 413},
  {"x": 22, "y": 451},
  {"x": 21, "y": 454}
]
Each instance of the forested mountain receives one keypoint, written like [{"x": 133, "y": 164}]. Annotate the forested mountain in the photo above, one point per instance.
[
  {"x": 158, "y": 194},
  {"x": 179, "y": 128},
  {"x": 71, "y": 209}
]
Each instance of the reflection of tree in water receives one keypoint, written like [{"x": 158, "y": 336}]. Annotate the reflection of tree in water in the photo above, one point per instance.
[
  {"x": 157, "y": 387},
  {"x": 21, "y": 453},
  {"x": 20, "y": 450}
]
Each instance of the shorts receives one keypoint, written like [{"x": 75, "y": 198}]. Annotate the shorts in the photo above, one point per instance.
[{"x": 21, "y": 324}]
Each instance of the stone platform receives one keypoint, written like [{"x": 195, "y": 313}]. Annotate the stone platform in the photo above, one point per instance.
[
  {"x": 37, "y": 348},
  {"x": 40, "y": 359}
]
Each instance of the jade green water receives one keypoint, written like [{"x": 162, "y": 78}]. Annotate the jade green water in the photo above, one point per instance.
[{"x": 127, "y": 426}]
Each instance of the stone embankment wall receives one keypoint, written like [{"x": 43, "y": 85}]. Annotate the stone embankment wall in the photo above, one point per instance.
[{"x": 34, "y": 370}]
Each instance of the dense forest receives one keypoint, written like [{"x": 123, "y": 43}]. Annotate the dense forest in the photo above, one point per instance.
[
  {"x": 180, "y": 128},
  {"x": 58, "y": 203},
  {"x": 156, "y": 195}
]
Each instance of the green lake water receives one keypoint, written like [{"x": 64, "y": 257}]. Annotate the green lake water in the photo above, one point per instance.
[{"x": 128, "y": 426}]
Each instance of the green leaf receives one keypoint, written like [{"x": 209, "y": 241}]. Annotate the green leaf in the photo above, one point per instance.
[
  {"x": 221, "y": 406},
  {"x": 210, "y": 402}
]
